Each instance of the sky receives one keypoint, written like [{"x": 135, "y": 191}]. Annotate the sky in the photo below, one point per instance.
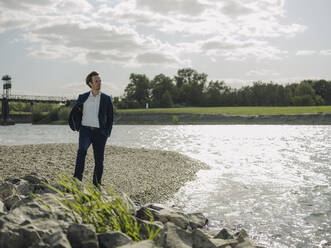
[{"x": 49, "y": 46}]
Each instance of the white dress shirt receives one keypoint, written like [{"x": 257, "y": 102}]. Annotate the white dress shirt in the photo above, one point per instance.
[{"x": 91, "y": 111}]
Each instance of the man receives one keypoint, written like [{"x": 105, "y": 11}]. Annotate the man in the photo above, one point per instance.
[{"x": 92, "y": 116}]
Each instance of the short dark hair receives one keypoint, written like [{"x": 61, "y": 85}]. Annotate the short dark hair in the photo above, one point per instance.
[{"x": 89, "y": 77}]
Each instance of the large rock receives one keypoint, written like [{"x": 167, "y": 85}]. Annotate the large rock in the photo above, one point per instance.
[
  {"x": 29, "y": 188},
  {"x": 147, "y": 226},
  {"x": 243, "y": 239},
  {"x": 201, "y": 240},
  {"x": 141, "y": 244},
  {"x": 55, "y": 240},
  {"x": 33, "y": 178},
  {"x": 163, "y": 214},
  {"x": 13, "y": 236},
  {"x": 197, "y": 220},
  {"x": 173, "y": 236},
  {"x": 225, "y": 233},
  {"x": 2, "y": 208},
  {"x": 11, "y": 201},
  {"x": 113, "y": 239},
  {"x": 6, "y": 190},
  {"x": 128, "y": 203},
  {"x": 82, "y": 236}
]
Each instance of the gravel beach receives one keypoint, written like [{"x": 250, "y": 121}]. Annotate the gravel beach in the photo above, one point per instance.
[{"x": 145, "y": 175}]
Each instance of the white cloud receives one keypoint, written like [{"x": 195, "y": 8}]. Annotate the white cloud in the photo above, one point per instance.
[
  {"x": 326, "y": 52},
  {"x": 148, "y": 32},
  {"x": 262, "y": 73},
  {"x": 313, "y": 52},
  {"x": 71, "y": 90},
  {"x": 305, "y": 52},
  {"x": 232, "y": 49},
  {"x": 182, "y": 7}
]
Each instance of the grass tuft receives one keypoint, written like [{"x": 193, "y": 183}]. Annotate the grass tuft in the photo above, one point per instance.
[{"x": 105, "y": 210}]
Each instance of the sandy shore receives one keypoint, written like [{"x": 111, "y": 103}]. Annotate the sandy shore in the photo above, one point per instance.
[{"x": 145, "y": 175}]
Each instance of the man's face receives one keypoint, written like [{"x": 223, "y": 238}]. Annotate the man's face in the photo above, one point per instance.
[{"x": 96, "y": 83}]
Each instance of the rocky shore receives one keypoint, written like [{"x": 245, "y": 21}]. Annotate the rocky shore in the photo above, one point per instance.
[
  {"x": 145, "y": 175},
  {"x": 41, "y": 221}
]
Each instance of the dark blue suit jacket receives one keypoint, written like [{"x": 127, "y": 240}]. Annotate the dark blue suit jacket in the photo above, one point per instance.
[{"x": 106, "y": 113}]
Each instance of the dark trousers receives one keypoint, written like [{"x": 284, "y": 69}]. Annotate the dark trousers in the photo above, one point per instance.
[{"x": 87, "y": 136}]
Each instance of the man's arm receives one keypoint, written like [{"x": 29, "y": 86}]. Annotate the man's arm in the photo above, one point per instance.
[
  {"x": 110, "y": 115},
  {"x": 73, "y": 121}
]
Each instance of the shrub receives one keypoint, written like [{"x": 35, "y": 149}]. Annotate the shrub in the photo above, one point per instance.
[
  {"x": 105, "y": 211},
  {"x": 63, "y": 113}
]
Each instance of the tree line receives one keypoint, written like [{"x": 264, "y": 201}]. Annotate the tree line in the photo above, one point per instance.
[{"x": 191, "y": 88}]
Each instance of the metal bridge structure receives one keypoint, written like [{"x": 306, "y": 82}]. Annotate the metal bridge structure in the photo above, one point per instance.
[
  {"x": 35, "y": 99},
  {"x": 7, "y": 97}
]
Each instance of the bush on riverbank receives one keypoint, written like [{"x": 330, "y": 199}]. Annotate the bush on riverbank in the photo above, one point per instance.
[
  {"x": 56, "y": 114},
  {"x": 89, "y": 205}
]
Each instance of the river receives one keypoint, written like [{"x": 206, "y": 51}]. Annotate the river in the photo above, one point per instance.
[{"x": 272, "y": 180}]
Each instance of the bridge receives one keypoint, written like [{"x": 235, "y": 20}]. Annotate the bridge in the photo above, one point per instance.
[
  {"x": 33, "y": 99},
  {"x": 6, "y": 98}
]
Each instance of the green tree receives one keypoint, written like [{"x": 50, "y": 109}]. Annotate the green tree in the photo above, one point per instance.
[
  {"x": 215, "y": 93},
  {"x": 162, "y": 89},
  {"x": 190, "y": 86},
  {"x": 137, "y": 92},
  {"x": 323, "y": 89},
  {"x": 166, "y": 100}
]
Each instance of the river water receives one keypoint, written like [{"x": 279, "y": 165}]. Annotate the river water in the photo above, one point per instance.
[{"x": 272, "y": 180}]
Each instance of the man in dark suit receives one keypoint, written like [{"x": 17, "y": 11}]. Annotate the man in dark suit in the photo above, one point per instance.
[{"x": 92, "y": 116}]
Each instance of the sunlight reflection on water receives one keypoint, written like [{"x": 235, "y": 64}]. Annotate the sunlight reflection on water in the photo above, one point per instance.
[{"x": 272, "y": 180}]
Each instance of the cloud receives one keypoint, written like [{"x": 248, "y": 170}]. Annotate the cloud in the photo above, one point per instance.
[
  {"x": 305, "y": 52},
  {"x": 148, "y": 32},
  {"x": 235, "y": 9},
  {"x": 232, "y": 49},
  {"x": 313, "y": 52},
  {"x": 259, "y": 73},
  {"x": 182, "y": 7},
  {"x": 326, "y": 52},
  {"x": 72, "y": 89}
]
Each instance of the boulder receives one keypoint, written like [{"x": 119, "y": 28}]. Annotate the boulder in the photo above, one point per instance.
[
  {"x": 11, "y": 201},
  {"x": 13, "y": 180},
  {"x": 113, "y": 239},
  {"x": 28, "y": 188},
  {"x": 128, "y": 203},
  {"x": 201, "y": 240},
  {"x": 55, "y": 240},
  {"x": 141, "y": 244},
  {"x": 33, "y": 178},
  {"x": 163, "y": 214},
  {"x": 82, "y": 236},
  {"x": 14, "y": 236},
  {"x": 197, "y": 220},
  {"x": 225, "y": 233},
  {"x": 6, "y": 190},
  {"x": 224, "y": 243},
  {"x": 172, "y": 236},
  {"x": 147, "y": 226},
  {"x": 2, "y": 208}
]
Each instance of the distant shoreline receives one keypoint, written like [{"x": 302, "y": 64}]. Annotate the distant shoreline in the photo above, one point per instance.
[{"x": 201, "y": 119}]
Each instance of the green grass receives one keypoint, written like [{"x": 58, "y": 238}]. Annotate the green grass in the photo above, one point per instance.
[
  {"x": 104, "y": 210},
  {"x": 235, "y": 110}
]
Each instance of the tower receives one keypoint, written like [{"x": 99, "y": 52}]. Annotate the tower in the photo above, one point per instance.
[
  {"x": 6, "y": 93},
  {"x": 6, "y": 86}
]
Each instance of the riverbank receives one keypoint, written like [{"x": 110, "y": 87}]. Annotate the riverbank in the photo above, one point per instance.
[
  {"x": 145, "y": 175},
  {"x": 221, "y": 119},
  {"x": 137, "y": 118}
]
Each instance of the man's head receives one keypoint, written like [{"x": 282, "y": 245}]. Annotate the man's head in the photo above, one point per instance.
[{"x": 93, "y": 80}]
